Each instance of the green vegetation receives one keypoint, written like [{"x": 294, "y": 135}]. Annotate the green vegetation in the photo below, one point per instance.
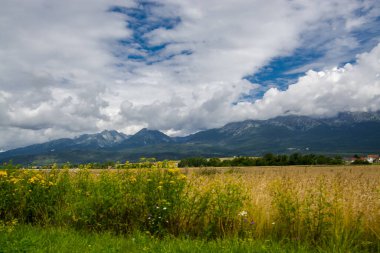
[
  {"x": 266, "y": 160},
  {"x": 360, "y": 162},
  {"x": 293, "y": 208},
  {"x": 142, "y": 163},
  {"x": 37, "y": 239}
]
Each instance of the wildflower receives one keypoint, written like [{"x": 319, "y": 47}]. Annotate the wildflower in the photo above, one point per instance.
[
  {"x": 243, "y": 213},
  {"x": 33, "y": 179},
  {"x": 14, "y": 180},
  {"x": 173, "y": 170},
  {"x": 182, "y": 176},
  {"x": 273, "y": 223},
  {"x": 14, "y": 222},
  {"x": 159, "y": 187},
  {"x": 3, "y": 173}
]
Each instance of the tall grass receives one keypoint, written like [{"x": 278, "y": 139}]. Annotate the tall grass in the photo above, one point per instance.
[{"x": 328, "y": 207}]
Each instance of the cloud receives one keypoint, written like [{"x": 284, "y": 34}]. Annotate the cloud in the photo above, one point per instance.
[
  {"x": 228, "y": 42},
  {"x": 354, "y": 87},
  {"x": 56, "y": 64},
  {"x": 72, "y": 67}
]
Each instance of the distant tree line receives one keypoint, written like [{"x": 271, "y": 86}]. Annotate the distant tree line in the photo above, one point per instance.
[{"x": 266, "y": 160}]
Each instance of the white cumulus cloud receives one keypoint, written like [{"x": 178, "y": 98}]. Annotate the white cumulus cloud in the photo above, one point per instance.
[{"x": 354, "y": 87}]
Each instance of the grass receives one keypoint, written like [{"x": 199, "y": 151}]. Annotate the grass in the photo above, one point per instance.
[
  {"x": 295, "y": 208},
  {"x": 36, "y": 239}
]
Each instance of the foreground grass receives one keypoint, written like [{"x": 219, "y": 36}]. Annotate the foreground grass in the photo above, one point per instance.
[{"x": 25, "y": 238}]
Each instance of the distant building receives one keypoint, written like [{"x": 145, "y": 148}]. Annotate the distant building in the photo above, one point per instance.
[
  {"x": 373, "y": 158},
  {"x": 369, "y": 158}
]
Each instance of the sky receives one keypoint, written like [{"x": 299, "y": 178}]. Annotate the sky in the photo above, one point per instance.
[{"x": 180, "y": 66}]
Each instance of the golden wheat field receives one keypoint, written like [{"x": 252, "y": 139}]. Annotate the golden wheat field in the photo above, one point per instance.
[{"x": 304, "y": 196}]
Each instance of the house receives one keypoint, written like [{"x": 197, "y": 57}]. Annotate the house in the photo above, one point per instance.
[
  {"x": 362, "y": 159},
  {"x": 373, "y": 158}
]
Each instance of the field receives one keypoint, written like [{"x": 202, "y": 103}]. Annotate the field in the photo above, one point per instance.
[{"x": 293, "y": 208}]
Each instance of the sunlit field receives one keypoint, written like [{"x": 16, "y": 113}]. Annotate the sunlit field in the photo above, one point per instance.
[{"x": 320, "y": 208}]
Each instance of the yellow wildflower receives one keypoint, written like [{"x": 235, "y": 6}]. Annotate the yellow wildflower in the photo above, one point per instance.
[
  {"x": 3, "y": 173},
  {"x": 172, "y": 164},
  {"x": 14, "y": 180},
  {"x": 182, "y": 176},
  {"x": 173, "y": 170},
  {"x": 14, "y": 222},
  {"x": 32, "y": 180}
]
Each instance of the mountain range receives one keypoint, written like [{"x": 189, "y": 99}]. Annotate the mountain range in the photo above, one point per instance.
[{"x": 345, "y": 134}]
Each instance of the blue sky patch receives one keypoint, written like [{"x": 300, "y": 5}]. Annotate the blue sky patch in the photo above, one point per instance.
[
  {"x": 142, "y": 21},
  {"x": 280, "y": 73}
]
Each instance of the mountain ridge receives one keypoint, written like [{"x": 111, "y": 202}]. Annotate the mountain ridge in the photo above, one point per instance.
[{"x": 344, "y": 133}]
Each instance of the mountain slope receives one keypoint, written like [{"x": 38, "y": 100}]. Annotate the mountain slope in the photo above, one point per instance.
[
  {"x": 146, "y": 137},
  {"x": 105, "y": 139},
  {"x": 101, "y": 140},
  {"x": 347, "y": 133}
]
